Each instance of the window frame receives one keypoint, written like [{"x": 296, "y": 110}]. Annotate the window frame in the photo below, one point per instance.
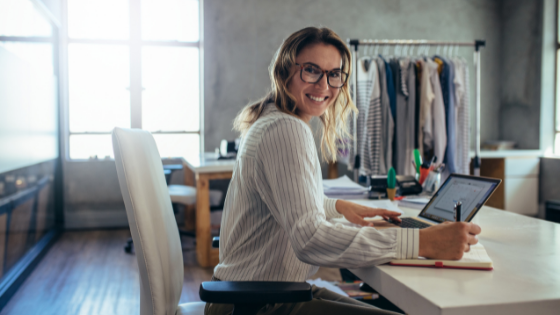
[{"x": 135, "y": 45}]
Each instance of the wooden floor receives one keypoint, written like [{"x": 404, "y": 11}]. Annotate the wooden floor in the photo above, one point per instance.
[{"x": 89, "y": 273}]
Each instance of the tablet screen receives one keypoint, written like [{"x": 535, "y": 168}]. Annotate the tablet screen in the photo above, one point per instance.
[{"x": 470, "y": 190}]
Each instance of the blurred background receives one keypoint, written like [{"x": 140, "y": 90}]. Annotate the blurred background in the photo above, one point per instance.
[{"x": 72, "y": 70}]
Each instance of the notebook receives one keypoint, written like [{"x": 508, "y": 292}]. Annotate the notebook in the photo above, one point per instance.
[{"x": 476, "y": 258}]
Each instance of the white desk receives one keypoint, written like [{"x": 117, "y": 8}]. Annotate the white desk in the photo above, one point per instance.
[
  {"x": 205, "y": 168},
  {"x": 525, "y": 279}
]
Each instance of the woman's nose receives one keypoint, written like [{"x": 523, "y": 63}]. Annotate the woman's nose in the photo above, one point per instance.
[{"x": 323, "y": 84}]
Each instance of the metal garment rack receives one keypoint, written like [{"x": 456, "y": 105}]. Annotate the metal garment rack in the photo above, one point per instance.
[{"x": 477, "y": 44}]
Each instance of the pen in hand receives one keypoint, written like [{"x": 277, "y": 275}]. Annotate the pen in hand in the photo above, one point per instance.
[{"x": 457, "y": 211}]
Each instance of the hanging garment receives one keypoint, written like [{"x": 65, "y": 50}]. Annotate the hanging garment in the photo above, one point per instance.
[
  {"x": 391, "y": 87},
  {"x": 432, "y": 115},
  {"x": 426, "y": 99},
  {"x": 398, "y": 114},
  {"x": 372, "y": 152},
  {"x": 447, "y": 76},
  {"x": 461, "y": 82},
  {"x": 387, "y": 123},
  {"x": 364, "y": 83},
  {"x": 418, "y": 72},
  {"x": 410, "y": 121},
  {"x": 437, "y": 126},
  {"x": 369, "y": 116},
  {"x": 400, "y": 145}
]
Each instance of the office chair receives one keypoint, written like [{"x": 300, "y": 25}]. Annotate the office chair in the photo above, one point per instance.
[
  {"x": 158, "y": 247},
  {"x": 179, "y": 194}
]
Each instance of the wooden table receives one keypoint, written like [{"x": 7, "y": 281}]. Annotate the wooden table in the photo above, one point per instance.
[
  {"x": 205, "y": 168},
  {"x": 525, "y": 280}
]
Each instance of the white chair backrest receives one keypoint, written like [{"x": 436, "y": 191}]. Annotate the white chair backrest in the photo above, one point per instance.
[{"x": 151, "y": 220}]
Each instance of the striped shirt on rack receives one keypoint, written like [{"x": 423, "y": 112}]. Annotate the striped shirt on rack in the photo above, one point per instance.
[{"x": 275, "y": 225}]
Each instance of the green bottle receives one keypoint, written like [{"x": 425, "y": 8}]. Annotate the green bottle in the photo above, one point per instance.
[{"x": 391, "y": 184}]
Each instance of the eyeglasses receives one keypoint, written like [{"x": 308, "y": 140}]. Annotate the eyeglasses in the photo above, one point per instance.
[{"x": 311, "y": 73}]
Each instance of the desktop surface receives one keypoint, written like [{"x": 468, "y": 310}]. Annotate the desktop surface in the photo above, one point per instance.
[{"x": 526, "y": 276}]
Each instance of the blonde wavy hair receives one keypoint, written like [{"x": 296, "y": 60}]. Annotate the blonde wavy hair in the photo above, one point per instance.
[{"x": 335, "y": 119}]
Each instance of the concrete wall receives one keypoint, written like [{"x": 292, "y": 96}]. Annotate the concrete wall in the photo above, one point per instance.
[
  {"x": 241, "y": 36},
  {"x": 520, "y": 70}
]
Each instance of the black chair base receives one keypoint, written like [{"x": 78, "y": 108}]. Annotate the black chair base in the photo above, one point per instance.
[
  {"x": 250, "y": 296},
  {"x": 129, "y": 247}
]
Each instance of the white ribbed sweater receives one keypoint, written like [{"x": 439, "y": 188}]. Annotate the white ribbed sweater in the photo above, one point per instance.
[{"x": 275, "y": 225}]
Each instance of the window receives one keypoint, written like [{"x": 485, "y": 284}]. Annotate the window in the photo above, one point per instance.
[
  {"x": 29, "y": 148},
  {"x": 133, "y": 64}
]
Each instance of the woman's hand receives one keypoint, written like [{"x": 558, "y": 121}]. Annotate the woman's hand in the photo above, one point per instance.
[
  {"x": 356, "y": 213},
  {"x": 449, "y": 240}
]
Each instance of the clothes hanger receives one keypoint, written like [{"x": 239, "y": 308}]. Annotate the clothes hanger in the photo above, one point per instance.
[
  {"x": 367, "y": 55},
  {"x": 370, "y": 49}
]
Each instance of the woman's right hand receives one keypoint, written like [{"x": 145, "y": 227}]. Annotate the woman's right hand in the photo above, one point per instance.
[{"x": 448, "y": 241}]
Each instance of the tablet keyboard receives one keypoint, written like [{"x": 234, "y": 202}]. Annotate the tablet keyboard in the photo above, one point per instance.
[{"x": 411, "y": 223}]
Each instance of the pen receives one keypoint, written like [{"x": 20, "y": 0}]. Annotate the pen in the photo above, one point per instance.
[
  {"x": 429, "y": 163},
  {"x": 434, "y": 159},
  {"x": 457, "y": 211}
]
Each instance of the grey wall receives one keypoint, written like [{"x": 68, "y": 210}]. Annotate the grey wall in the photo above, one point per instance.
[
  {"x": 520, "y": 69},
  {"x": 241, "y": 36}
]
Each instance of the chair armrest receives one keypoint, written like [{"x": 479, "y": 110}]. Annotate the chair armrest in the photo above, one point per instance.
[
  {"x": 254, "y": 292},
  {"x": 216, "y": 242}
]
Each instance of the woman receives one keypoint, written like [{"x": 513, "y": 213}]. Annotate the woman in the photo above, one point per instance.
[{"x": 275, "y": 225}]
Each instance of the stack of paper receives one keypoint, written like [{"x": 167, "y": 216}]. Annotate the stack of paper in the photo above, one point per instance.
[
  {"x": 344, "y": 188},
  {"x": 414, "y": 202}
]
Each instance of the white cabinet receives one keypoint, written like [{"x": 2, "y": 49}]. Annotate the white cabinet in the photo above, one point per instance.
[
  {"x": 522, "y": 195},
  {"x": 519, "y": 191},
  {"x": 521, "y": 185}
]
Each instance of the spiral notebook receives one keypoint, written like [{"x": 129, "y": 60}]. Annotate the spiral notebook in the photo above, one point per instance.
[{"x": 476, "y": 258}]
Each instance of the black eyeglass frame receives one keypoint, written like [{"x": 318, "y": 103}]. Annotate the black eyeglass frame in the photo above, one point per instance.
[{"x": 301, "y": 66}]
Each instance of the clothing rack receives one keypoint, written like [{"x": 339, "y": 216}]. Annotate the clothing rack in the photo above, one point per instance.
[{"x": 477, "y": 44}]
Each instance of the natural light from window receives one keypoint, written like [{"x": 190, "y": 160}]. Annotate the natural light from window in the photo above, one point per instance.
[
  {"x": 20, "y": 18},
  {"x": 133, "y": 64}
]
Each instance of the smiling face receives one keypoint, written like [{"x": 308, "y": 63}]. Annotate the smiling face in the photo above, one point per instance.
[{"x": 313, "y": 99}]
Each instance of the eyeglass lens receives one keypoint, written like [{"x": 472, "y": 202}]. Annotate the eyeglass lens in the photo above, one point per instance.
[{"x": 312, "y": 74}]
